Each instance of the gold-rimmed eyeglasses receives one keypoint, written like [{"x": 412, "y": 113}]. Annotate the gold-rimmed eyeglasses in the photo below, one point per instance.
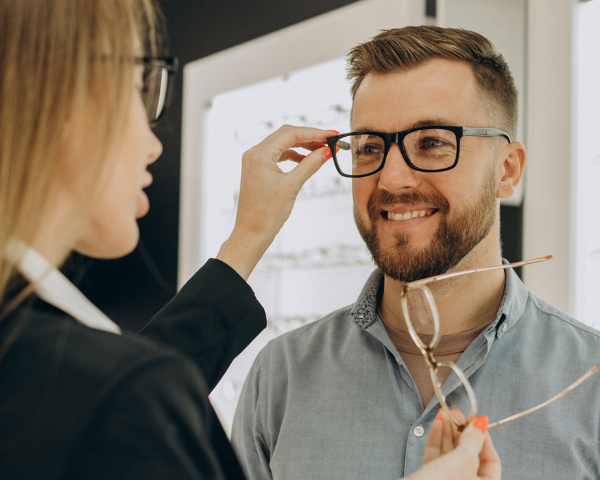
[{"x": 419, "y": 307}]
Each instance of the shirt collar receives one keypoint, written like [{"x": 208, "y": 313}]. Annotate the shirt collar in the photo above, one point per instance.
[
  {"x": 54, "y": 288},
  {"x": 512, "y": 306}
]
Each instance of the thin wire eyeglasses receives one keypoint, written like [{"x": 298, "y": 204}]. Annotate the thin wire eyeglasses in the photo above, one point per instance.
[
  {"x": 158, "y": 82},
  {"x": 423, "y": 294},
  {"x": 426, "y": 149}
]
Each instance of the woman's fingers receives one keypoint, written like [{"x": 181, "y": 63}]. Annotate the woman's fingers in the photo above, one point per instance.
[
  {"x": 291, "y": 155},
  {"x": 474, "y": 458},
  {"x": 490, "y": 467},
  {"x": 267, "y": 194},
  {"x": 287, "y": 136},
  {"x": 433, "y": 444}
]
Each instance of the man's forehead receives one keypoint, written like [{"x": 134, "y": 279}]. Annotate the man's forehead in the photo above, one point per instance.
[{"x": 441, "y": 92}]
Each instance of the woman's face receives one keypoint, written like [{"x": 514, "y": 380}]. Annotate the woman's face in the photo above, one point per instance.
[{"x": 112, "y": 230}]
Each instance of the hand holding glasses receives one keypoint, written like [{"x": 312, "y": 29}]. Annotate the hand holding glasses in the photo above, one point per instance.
[{"x": 419, "y": 307}]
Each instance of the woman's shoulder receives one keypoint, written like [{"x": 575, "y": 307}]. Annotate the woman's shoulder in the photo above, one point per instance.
[{"x": 40, "y": 332}]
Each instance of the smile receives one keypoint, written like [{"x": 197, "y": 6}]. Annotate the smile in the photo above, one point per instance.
[{"x": 401, "y": 217}]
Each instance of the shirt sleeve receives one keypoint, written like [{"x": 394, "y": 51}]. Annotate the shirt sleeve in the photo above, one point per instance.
[
  {"x": 249, "y": 432},
  {"x": 212, "y": 319},
  {"x": 155, "y": 423}
]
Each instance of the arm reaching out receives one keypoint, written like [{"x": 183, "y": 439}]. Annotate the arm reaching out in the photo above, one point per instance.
[{"x": 267, "y": 194}]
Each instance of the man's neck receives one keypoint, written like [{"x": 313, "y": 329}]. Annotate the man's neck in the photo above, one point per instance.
[{"x": 464, "y": 303}]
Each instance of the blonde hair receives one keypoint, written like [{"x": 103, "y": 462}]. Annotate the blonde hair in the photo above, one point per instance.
[
  {"x": 405, "y": 48},
  {"x": 66, "y": 72}
]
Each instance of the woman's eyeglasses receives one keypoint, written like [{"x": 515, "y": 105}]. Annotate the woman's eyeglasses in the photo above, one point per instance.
[
  {"x": 158, "y": 82},
  {"x": 419, "y": 308}
]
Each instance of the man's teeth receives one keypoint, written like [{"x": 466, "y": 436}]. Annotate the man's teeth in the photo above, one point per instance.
[{"x": 408, "y": 215}]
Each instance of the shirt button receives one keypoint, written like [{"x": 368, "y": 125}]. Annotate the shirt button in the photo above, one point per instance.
[{"x": 419, "y": 431}]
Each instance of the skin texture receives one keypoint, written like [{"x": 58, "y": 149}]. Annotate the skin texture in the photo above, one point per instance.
[{"x": 445, "y": 92}]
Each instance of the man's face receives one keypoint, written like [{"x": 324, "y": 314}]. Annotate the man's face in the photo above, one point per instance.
[{"x": 451, "y": 212}]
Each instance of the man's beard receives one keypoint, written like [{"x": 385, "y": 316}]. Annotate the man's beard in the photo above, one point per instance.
[{"x": 454, "y": 239}]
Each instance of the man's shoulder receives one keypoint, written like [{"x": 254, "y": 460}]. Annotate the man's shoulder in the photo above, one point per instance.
[
  {"x": 328, "y": 330},
  {"x": 553, "y": 319}
]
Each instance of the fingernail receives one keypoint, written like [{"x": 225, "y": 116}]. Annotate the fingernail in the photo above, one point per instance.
[
  {"x": 482, "y": 423},
  {"x": 328, "y": 154},
  {"x": 334, "y": 131},
  {"x": 322, "y": 144},
  {"x": 439, "y": 417}
]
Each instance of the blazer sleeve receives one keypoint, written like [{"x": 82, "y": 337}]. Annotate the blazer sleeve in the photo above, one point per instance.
[{"x": 211, "y": 319}]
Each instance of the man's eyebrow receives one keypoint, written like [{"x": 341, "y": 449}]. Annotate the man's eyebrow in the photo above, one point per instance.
[{"x": 435, "y": 122}]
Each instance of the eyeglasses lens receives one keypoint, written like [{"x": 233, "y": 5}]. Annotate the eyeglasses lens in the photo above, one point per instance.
[
  {"x": 431, "y": 149},
  {"x": 360, "y": 154},
  {"x": 421, "y": 315},
  {"x": 155, "y": 92},
  {"x": 458, "y": 401}
]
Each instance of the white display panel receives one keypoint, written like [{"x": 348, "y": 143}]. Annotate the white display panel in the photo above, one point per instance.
[
  {"x": 503, "y": 22},
  {"x": 318, "y": 262},
  {"x": 586, "y": 166},
  {"x": 232, "y": 100}
]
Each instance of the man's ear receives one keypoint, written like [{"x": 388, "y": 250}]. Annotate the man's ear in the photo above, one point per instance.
[{"x": 510, "y": 170}]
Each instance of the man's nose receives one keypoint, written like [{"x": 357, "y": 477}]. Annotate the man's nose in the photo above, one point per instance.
[{"x": 396, "y": 174}]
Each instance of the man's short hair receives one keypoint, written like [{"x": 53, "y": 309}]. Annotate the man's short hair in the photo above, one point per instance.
[{"x": 401, "y": 49}]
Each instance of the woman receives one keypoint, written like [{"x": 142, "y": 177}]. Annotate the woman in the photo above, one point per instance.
[{"x": 80, "y": 84}]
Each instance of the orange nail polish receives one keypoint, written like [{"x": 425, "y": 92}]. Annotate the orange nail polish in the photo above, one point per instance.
[
  {"x": 328, "y": 153},
  {"x": 334, "y": 131},
  {"x": 440, "y": 418},
  {"x": 482, "y": 423}
]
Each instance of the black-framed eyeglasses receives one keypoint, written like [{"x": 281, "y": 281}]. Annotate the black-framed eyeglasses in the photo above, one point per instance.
[
  {"x": 426, "y": 149},
  {"x": 158, "y": 82}
]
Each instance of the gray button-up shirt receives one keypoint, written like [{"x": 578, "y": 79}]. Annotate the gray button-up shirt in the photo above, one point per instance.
[{"x": 334, "y": 400}]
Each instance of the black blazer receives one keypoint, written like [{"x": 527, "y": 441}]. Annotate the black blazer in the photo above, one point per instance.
[{"x": 79, "y": 403}]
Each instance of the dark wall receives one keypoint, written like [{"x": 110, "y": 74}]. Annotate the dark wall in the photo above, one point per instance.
[{"x": 132, "y": 289}]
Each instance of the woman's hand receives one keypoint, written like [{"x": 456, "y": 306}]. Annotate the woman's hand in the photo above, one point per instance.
[
  {"x": 450, "y": 455},
  {"x": 267, "y": 194}
]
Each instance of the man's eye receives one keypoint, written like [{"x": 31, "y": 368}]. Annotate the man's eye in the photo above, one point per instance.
[
  {"x": 432, "y": 143},
  {"x": 367, "y": 150}
]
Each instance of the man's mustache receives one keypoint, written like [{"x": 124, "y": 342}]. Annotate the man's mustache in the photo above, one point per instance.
[{"x": 382, "y": 197}]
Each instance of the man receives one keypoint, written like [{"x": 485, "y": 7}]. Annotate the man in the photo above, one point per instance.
[{"x": 350, "y": 396}]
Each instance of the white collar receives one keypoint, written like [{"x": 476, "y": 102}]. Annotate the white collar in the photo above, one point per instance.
[{"x": 54, "y": 288}]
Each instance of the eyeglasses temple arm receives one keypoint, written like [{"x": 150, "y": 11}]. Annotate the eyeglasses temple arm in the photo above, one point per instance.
[
  {"x": 485, "y": 132},
  {"x": 547, "y": 402},
  {"x": 425, "y": 281}
]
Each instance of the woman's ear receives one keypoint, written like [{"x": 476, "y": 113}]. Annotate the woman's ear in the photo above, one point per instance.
[{"x": 513, "y": 159}]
